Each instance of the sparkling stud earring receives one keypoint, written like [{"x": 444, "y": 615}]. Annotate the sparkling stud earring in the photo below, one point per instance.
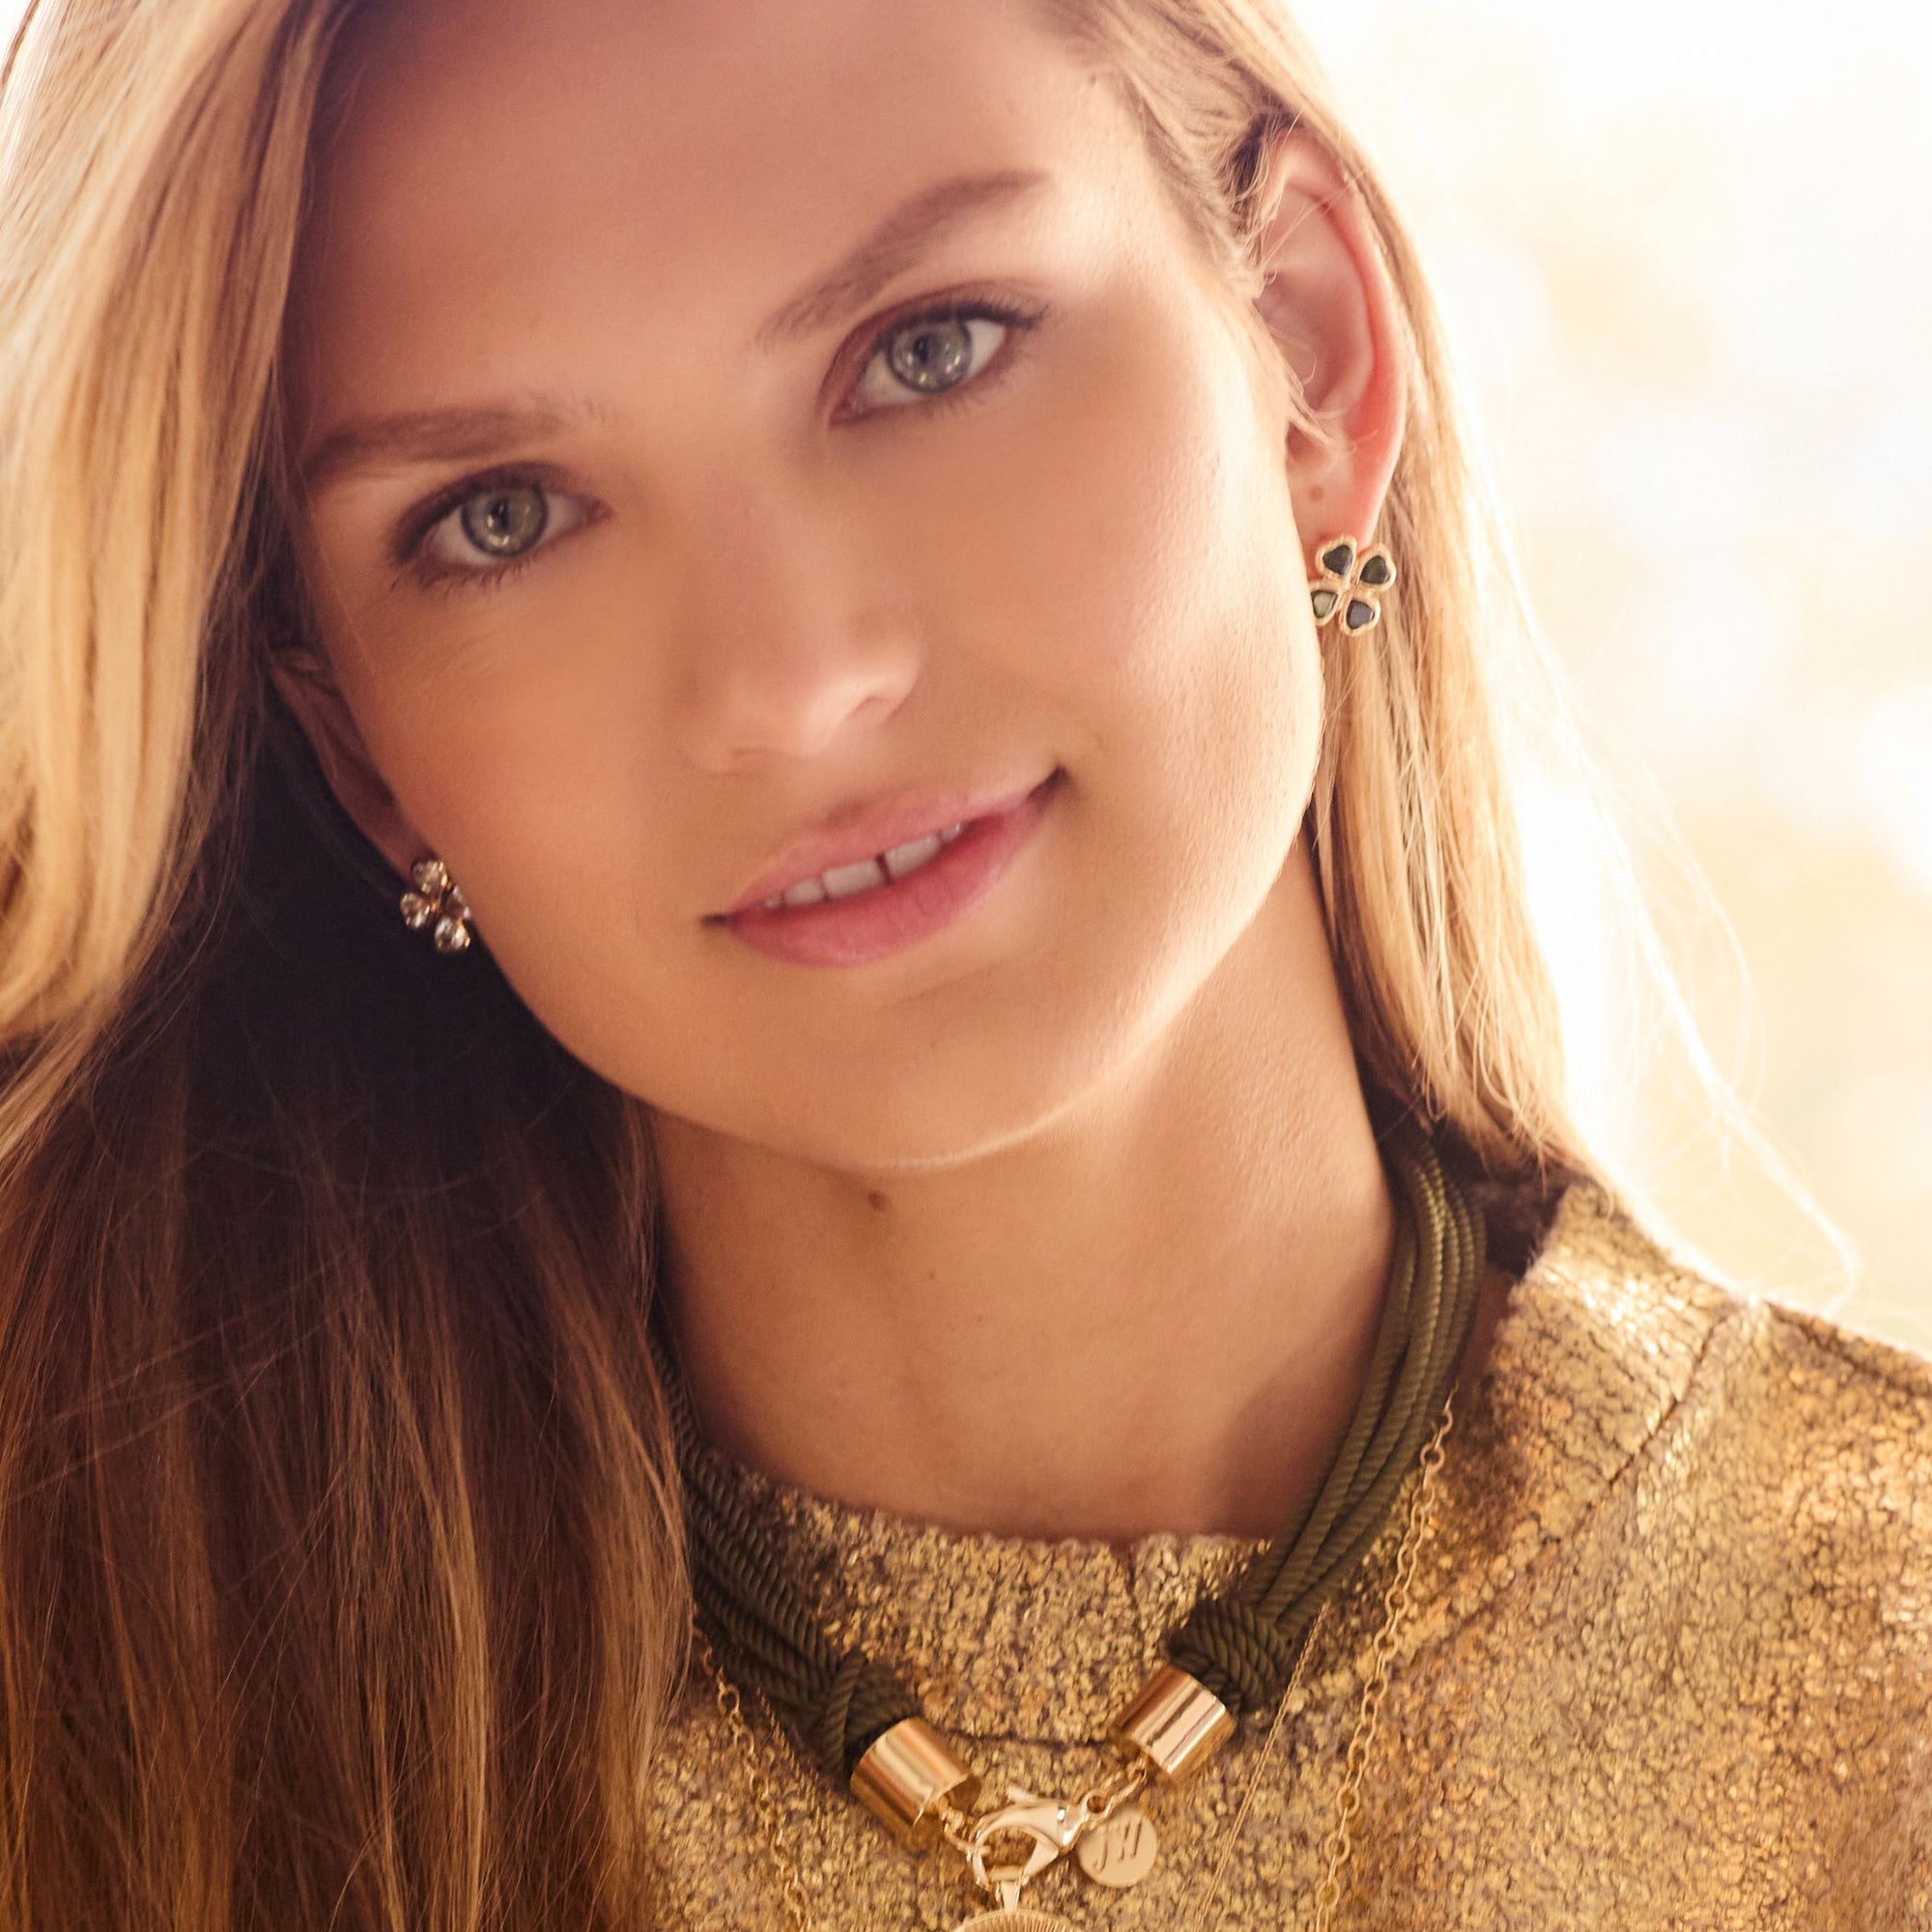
[
  {"x": 437, "y": 903},
  {"x": 1350, "y": 584}
]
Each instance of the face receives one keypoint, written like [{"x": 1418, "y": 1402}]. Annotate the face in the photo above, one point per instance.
[{"x": 655, "y": 583}]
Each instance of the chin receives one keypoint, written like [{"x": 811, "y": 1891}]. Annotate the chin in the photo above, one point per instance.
[
  {"x": 927, "y": 1125},
  {"x": 981, "y": 1092}
]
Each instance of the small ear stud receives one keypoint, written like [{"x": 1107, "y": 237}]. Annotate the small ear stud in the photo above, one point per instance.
[
  {"x": 437, "y": 905},
  {"x": 1350, "y": 584}
]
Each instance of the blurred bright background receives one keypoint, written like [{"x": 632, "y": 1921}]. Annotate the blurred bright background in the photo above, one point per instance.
[{"x": 1686, "y": 263}]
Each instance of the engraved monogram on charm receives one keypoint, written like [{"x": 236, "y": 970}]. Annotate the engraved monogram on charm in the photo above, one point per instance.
[{"x": 1120, "y": 1850}]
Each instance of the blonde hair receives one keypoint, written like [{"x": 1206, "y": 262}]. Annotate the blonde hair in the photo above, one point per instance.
[{"x": 340, "y": 1558}]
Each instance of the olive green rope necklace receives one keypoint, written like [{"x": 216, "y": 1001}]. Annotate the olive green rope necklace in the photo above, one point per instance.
[{"x": 1235, "y": 1653}]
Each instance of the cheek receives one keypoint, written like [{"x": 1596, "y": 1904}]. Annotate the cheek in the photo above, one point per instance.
[
  {"x": 1126, "y": 542},
  {"x": 527, "y": 764},
  {"x": 1087, "y": 513},
  {"x": 505, "y": 763}
]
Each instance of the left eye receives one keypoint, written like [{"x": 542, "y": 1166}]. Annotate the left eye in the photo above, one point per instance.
[{"x": 927, "y": 355}]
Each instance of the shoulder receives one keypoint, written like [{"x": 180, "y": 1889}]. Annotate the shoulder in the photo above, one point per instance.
[
  {"x": 1706, "y": 1520},
  {"x": 1831, "y": 1422},
  {"x": 1781, "y": 1445},
  {"x": 1829, "y": 1431}
]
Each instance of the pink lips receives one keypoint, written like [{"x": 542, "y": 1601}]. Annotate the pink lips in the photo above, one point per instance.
[{"x": 884, "y": 920}]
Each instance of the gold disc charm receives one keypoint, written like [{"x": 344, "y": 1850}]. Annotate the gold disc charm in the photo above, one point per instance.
[
  {"x": 1120, "y": 1852},
  {"x": 1016, "y": 1918}
]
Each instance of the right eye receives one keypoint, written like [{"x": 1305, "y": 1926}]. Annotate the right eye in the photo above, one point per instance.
[{"x": 495, "y": 527}]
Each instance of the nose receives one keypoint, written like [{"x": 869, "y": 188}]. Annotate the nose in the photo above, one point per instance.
[{"x": 789, "y": 640}]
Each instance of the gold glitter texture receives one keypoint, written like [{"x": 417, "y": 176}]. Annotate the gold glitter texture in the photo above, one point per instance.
[{"x": 1667, "y": 1668}]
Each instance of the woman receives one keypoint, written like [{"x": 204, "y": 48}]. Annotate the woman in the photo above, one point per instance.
[{"x": 755, "y": 855}]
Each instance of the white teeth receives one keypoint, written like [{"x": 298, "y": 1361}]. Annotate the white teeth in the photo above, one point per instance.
[
  {"x": 842, "y": 881},
  {"x": 911, "y": 856}
]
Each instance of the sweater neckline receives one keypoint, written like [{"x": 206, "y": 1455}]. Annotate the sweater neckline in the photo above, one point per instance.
[{"x": 1044, "y": 1639}]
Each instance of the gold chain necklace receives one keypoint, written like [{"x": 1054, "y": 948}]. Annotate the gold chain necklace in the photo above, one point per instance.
[{"x": 1120, "y": 1832}]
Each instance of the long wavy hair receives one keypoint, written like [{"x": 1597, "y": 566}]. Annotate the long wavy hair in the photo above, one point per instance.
[{"x": 340, "y": 1552}]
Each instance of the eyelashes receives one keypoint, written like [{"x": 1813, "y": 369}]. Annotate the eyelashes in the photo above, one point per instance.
[
  {"x": 990, "y": 329},
  {"x": 971, "y": 318},
  {"x": 415, "y": 545}
]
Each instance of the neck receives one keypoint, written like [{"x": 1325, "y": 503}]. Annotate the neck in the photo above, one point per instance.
[{"x": 1156, "y": 1314}]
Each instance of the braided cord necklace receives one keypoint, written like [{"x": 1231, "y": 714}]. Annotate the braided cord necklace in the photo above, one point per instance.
[{"x": 1238, "y": 1652}]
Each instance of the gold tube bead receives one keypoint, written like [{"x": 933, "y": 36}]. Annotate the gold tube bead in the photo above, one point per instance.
[
  {"x": 1176, "y": 1723},
  {"x": 907, "y": 1776}
]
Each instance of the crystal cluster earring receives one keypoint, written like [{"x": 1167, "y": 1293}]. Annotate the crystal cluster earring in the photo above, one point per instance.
[
  {"x": 1350, "y": 584},
  {"x": 437, "y": 905}
]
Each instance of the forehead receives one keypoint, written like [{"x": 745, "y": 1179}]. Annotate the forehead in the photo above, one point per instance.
[{"x": 488, "y": 163}]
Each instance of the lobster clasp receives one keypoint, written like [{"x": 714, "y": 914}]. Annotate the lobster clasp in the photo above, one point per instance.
[{"x": 1054, "y": 1825}]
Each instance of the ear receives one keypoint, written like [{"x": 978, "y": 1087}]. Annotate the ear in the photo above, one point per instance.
[
  {"x": 309, "y": 690},
  {"x": 1329, "y": 306}
]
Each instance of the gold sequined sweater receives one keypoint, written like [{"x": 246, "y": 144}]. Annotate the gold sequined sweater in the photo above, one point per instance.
[{"x": 1668, "y": 1664}]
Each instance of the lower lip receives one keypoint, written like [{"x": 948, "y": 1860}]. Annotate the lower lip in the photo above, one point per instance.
[{"x": 887, "y": 919}]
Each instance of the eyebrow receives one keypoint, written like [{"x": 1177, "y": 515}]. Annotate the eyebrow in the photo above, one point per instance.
[
  {"x": 460, "y": 433},
  {"x": 466, "y": 433},
  {"x": 897, "y": 240}
]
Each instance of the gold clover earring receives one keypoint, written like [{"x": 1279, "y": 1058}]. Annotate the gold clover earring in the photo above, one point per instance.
[
  {"x": 1350, "y": 584},
  {"x": 437, "y": 904}
]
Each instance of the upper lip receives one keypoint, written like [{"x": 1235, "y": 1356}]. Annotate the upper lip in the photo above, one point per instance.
[{"x": 863, "y": 831}]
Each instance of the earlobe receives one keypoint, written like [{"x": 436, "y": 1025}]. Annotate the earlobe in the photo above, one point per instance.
[
  {"x": 305, "y": 685},
  {"x": 1330, "y": 308}
]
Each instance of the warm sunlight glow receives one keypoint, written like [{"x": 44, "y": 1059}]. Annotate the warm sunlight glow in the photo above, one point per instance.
[{"x": 1683, "y": 251}]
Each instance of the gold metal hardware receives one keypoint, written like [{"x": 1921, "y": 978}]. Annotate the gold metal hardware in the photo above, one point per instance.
[
  {"x": 1051, "y": 1825},
  {"x": 1016, "y": 1918},
  {"x": 1176, "y": 1723},
  {"x": 1120, "y": 1850},
  {"x": 909, "y": 1778}
]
